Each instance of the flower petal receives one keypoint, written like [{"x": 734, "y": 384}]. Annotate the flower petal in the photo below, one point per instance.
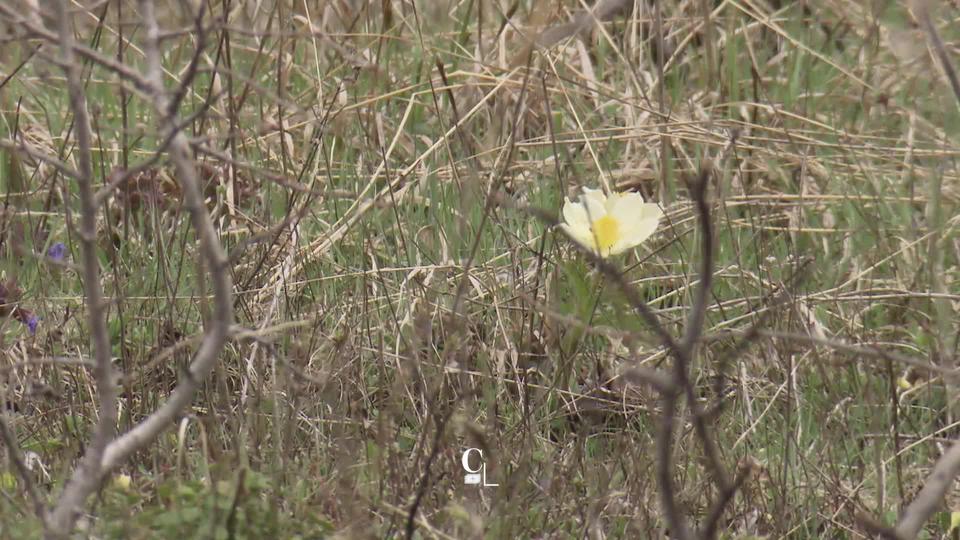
[
  {"x": 581, "y": 235},
  {"x": 632, "y": 216},
  {"x": 575, "y": 214},
  {"x": 639, "y": 229},
  {"x": 595, "y": 208},
  {"x": 652, "y": 211},
  {"x": 634, "y": 237},
  {"x": 595, "y": 201},
  {"x": 596, "y": 194},
  {"x": 626, "y": 206}
]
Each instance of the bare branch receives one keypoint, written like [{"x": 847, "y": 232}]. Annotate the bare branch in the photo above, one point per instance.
[
  {"x": 173, "y": 104},
  {"x": 931, "y": 495},
  {"x": 51, "y": 361},
  {"x": 24, "y": 148},
  {"x": 947, "y": 468},
  {"x": 664, "y": 467},
  {"x": 86, "y": 477},
  {"x": 922, "y": 9},
  {"x": 698, "y": 310},
  {"x": 694, "y": 328},
  {"x": 105, "y": 453},
  {"x": 33, "y": 27},
  {"x": 726, "y": 496},
  {"x": 217, "y": 329},
  {"x": 861, "y": 351}
]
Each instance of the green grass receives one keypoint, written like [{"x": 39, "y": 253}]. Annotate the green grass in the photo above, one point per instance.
[{"x": 385, "y": 335}]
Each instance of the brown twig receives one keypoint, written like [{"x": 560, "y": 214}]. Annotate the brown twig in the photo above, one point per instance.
[
  {"x": 664, "y": 469},
  {"x": 694, "y": 329},
  {"x": 726, "y": 496}
]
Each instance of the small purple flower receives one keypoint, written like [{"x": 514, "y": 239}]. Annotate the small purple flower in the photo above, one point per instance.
[
  {"x": 57, "y": 252},
  {"x": 32, "y": 321},
  {"x": 28, "y": 318}
]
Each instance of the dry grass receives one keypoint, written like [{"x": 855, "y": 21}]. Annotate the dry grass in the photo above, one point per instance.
[{"x": 391, "y": 318}]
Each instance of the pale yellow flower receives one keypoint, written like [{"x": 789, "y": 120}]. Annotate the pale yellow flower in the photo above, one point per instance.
[
  {"x": 610, "y": 225},
  {"x": 8, "y": 481},
  {"x": 121, "y": 481}
]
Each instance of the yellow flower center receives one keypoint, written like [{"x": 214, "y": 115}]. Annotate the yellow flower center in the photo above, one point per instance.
[{"x": 607, "y": 232}]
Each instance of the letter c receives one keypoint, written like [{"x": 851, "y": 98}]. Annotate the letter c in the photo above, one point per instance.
[{"x": 465, "y": 460}]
